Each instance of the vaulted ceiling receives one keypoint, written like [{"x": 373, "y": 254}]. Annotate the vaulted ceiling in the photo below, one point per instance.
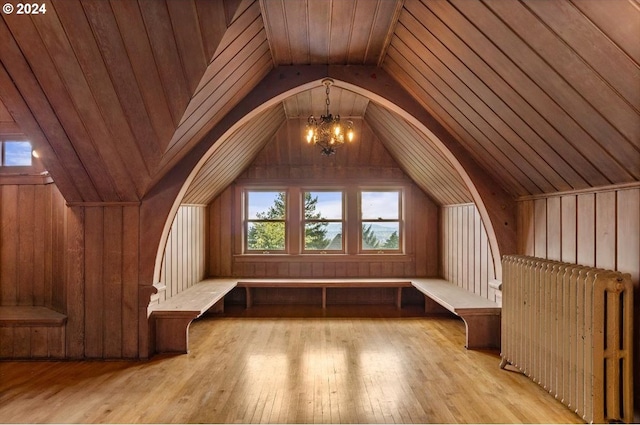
[{"x": 543, "y": 94}]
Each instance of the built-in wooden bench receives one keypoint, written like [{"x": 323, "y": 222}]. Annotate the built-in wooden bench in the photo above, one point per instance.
[
  {"x": 323, "y": 285},
  {"x": 31, "y": 332},
  {"x": 481, "y": 316},
  {"x": 172, "y": 317}
]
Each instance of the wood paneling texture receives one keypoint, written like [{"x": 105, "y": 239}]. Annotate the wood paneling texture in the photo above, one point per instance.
[
  {"x": 108, "y": 84},
  {"x": 8, "y": 125},
  {"x": 5, "y": 115},
  {"x": 543, "y": 95},
  {"x": 523, "y": 89},
  {"x": 232, "y": 156},
  {"x": 32, "y": 342},
  {"x": 319, "y": 32},
  {"x": 242, "y": 59},
  {"x": 342, "y": 102},
  {"x": 466, "y": 258},
  {"x": 31, "y": 246},
  {"x": 597, "y": 229},
  {"x": 32, "y": 266},
  {"x": 418, "y": 156},
  {"x": 437, "y": 178},
  {"x": 102, "y": 248},
  {"x": 184, "y": 262},
  {"x": 288, "y": 158}
]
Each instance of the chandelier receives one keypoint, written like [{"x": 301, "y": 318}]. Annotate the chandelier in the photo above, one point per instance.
[{"x": 328, "y": 132}]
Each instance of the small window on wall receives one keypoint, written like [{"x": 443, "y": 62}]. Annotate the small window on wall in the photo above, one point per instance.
[
  {"x": 265, "y": 221},
  {"x": 323, "y": 221},
  {"x": 16, "y": 153},
  {"x": 381, "y": 220}
]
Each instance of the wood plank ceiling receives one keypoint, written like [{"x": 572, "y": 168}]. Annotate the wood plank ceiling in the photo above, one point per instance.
[
  {"x": 100, "y": 87},
  {"x": 537, "y": 91},
  {"x": 545, "y": 95},
  {"x": 8, "y": 126}
]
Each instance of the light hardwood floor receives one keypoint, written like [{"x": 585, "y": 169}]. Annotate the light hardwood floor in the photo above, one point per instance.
[{"x": 289, "y": 365}]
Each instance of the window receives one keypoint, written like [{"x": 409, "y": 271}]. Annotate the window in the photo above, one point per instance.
[
  {"x": 266, "y": 213},
  {"x": 380, "y": 218},
  {"x": 305, "y": 221},
  {"x": 323, "y": 221},
  {"x": 16, "y": 153}
]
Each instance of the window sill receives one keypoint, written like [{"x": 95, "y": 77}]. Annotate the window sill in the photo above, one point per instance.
[
  {"x": 24, "y": 179},
  {"x": 302, "y": 258}
]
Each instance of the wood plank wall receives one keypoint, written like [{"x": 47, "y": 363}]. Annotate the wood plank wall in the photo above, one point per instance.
[
  {"x": 421, "y": 250},
  {"x": 102, "y": 250},
  {"x": 184, "y": 262},
  {"x": 466, "y": 257},
  {"x": 599, "y": 228},
  {"x": 32, "y": 266},
  {"x": 31, "y": 246},
  {"x": 287, "y": 159},
  {"x": 32, "y": 342}
]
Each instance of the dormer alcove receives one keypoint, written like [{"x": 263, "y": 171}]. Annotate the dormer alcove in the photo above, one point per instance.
[{"x": 442, "y": 232}]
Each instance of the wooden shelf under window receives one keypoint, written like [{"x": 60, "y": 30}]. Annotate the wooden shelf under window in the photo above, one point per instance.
[{"x": 301, "y": 258}]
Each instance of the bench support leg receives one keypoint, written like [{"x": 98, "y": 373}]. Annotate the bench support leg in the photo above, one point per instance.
[
  {"x": 172, "y": 333},
  {"x": 483, "y": 331},
  {"x": 218, "y": 307},
  {"x": 432, "y": 307},
  {"x": 248, "y": 295}
]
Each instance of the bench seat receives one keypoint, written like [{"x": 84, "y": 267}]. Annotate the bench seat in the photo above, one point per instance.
[
  {"x": 480, "y": 315},
  {"x": 31, "y": 332},
  {"x": 172, "y": 317},
  {"x": 30, "y": 316},
  {"x": 324, "y": 284}
]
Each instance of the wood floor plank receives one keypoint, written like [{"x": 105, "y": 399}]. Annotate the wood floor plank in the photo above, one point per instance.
[{"x": 291, "y": 364}]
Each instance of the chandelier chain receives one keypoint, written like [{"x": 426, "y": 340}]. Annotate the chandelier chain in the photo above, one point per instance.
[{"x": 327, "y": 101}]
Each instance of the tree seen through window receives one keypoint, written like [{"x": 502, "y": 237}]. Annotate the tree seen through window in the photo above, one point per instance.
[
  {"x": 323, "y": 221},
  {"x": 266, "y": 230},
  {"x": 320, "y": 222},
  {"x": 380, "y": 213}
]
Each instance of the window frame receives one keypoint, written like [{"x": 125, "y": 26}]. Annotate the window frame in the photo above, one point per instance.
[
  {"x": 294, "y": 222},
  {"x": 400, "y": 220},
  {"x": 3, "y": 153},
  {"x": 304, "y": 221},
  {"x": 246, "y": 220},
  {"x": 16, "y": 169},
  {"x": 35, "y": 174}
]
